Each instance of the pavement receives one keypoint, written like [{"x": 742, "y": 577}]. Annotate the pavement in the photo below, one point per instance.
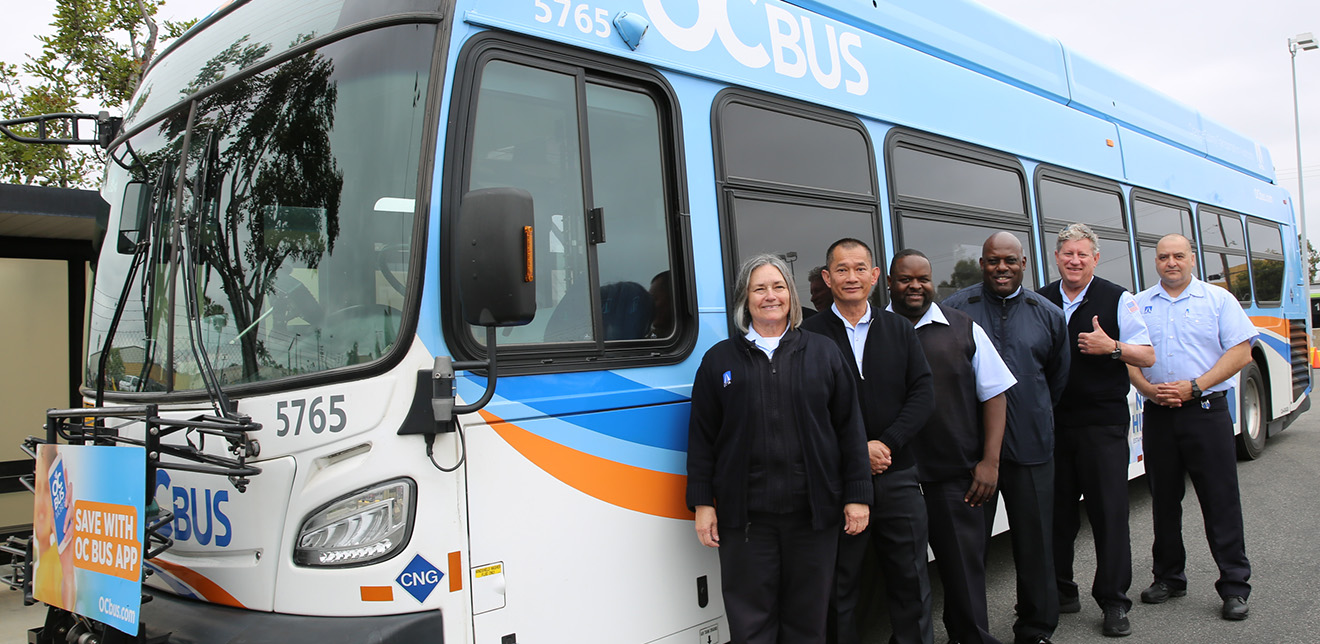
[{"x": 1283, "y": 544}]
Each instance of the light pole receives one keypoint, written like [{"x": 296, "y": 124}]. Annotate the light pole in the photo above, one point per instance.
[{"x": 1304, "y": 42}]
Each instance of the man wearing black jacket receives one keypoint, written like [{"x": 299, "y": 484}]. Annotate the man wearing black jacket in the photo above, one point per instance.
[
  {"x": 1031, "y": 335},
  {"x": 896, "y": 396}
]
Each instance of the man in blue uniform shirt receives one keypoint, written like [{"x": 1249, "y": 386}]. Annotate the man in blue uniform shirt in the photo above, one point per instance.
[
  {"x": 1202, "y": 338},
  {"x": 1032, "y": 336}
]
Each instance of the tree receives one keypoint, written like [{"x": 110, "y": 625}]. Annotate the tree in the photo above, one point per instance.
[
  {"x": 97, "y": 53},
  {"x": 966, "y": 272}
]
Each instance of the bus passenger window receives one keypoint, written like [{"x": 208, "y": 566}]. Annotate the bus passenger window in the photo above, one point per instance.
[
  {"x": 1267, "y": 263},
  {"x": 949, "y": 198},
  {"x": 1224, "y": 253},
  {"x": 778, "y": 163},
  {"x": 1066, "y": 197},
  {"x": 1154, "y": 217}
]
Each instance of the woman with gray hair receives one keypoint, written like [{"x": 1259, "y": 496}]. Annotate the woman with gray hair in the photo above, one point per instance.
[{"x": 777, "y": 462}]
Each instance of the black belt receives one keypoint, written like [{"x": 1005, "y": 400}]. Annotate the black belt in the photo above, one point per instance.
[{"x": 1214, "y": 396}]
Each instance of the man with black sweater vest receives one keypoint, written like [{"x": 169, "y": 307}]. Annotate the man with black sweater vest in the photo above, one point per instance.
[
  {"x": 1091, "y": 422},
  {"x": 958, "y": 450},
  {"x": 896, "y": 396},
  {"x": 1031, "y": 335}
]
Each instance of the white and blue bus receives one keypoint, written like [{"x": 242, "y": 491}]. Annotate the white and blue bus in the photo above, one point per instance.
[{"x": 314, "y": 202}]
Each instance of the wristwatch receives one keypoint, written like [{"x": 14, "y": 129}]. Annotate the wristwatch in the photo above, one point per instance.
[
  {"x": 1196, "y": 390},
  {"x": 1117, "y": 353}
]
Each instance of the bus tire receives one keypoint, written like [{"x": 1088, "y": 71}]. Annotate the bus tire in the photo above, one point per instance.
[{"x": 1251, "y": 411}]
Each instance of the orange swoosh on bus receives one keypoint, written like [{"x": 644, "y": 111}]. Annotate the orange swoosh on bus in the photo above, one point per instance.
[
  {"x": 1277, "y": 325},
  {"x": 205, "y": 587},
  {"x": 648, "y": 491}
]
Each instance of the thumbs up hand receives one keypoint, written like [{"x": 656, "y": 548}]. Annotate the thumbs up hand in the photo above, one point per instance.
[{"x": 1097, "y": 342}]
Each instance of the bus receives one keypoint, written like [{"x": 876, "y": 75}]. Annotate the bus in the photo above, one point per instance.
[{"x": 404, "y": 298}]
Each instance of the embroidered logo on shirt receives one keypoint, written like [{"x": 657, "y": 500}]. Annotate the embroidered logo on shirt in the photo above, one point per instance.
[
  {"x": 728, "y": 378},
  {"x": 1132, "y": 306},
  {"x": 1147, "y": 309}
]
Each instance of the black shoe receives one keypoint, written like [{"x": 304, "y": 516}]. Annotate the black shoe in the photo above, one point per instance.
[
  {"x": 1235, "y": 608},
  {"x": 1070, "y": 604},
  {"x": 1116, "y": 622},
  {"x": 1160, "y": 592},
  {"x": 1034, "y": 639}
]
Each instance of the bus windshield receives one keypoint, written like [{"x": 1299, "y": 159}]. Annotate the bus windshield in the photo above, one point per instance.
[{"x": 267, "y": 223}]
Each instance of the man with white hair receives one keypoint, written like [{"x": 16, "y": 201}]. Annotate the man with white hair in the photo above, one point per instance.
[{"x": 1091, "y": 421}]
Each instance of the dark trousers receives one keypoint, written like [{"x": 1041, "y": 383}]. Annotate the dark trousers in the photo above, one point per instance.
[
  {"x": 1192, "y": 440},
  {"x": 898, "y": 532},
  {"x": 1029, "y": 498},
  {"x": 1092, "y": 461},
  {"x": 957, "y": 537},
  {"x": 776, "y": 576}
]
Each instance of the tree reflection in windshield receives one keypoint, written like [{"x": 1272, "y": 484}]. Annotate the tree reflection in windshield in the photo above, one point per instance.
[
  {"x": 266, "y": 189},
  {"x": 291, "y": 248}
]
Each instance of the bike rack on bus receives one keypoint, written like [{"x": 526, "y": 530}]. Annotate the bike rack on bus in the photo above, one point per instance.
[
  {"x": 107, "y": 127},
  {"x": 102, "y": 425}
]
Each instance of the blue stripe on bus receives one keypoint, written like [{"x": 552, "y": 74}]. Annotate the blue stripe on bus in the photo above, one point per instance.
[
  {"x": 649, "y": 434},
  {"x": 1280, "y": 346}
]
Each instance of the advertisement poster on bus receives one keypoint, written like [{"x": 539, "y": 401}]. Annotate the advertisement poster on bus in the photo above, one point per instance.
[{"x": 88, "y": 528}]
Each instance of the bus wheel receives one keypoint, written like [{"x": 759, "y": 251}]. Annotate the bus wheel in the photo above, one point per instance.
[{"x": 1251, "y": 410}]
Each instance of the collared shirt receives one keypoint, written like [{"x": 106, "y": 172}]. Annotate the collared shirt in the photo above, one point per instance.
[
  {"x": 1131, "y": 327},
  {"x": 992, "y": 375},
  {"x": 856, "y": 334},
  {"x": 1191, "y": 332},
  {"x": 766, "y": 345}
]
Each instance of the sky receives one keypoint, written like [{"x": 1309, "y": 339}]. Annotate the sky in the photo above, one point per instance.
[{"x": 1226, "y": 58}]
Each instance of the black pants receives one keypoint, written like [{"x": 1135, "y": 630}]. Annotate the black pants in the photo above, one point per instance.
[
  {"x": 957, "y": 537},
  {"x": 1192, "y": 440},
  {"x": 898, "y": 531},
  {"x": 776, "y": 575},
  {"x": 1092, "y": 461},
  {"x": 1029, "y": 498}
]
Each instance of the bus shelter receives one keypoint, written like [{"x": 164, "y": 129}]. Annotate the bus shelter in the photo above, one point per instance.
[{"x": 45, "y": 248}]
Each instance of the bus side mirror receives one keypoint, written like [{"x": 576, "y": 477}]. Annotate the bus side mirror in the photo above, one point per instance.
[
  {"x": 133, "y": 217},
  {"x": 495, "y": 267}
]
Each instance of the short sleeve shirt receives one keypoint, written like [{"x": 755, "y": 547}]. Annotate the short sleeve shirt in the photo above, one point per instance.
[
  {"x": 1191, "y": 332},
  {"x": 993, "y": 376},
  {"x": 1131, "y": 326}
]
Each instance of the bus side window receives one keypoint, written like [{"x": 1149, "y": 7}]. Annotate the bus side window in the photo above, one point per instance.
[
  {"x": 593, "y": 154},
  {"x": 1266, "y": 246},
  {"x": 1154, "y": 216},
  {"x": 1067, "y": 197},
  {"x": 949, "y": 198},
  {"x": 1224, "y": 252},
  {"x": 795, "y": 179}
]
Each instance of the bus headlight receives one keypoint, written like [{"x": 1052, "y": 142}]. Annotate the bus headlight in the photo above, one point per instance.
[{"x": 364, "y": 527}]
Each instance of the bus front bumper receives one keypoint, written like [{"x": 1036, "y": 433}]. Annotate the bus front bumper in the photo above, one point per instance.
[{"x": 190, "y": 622}]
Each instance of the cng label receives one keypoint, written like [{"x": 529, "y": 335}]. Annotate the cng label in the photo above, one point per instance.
[{"x": 419, "y": 578}]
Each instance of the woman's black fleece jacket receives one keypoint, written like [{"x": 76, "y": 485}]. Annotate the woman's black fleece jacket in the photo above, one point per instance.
[{"x": 737, "y": 388}]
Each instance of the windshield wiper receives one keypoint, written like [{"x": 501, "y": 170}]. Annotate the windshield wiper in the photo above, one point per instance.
[
  {"x": 141, "y": 250},
  {"x": 192, "y": 303}
]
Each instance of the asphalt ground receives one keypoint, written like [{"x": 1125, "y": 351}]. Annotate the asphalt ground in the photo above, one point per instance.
[
  {"x": 1282, "y": 520},
  {"x": 1279, "y": 493}
]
